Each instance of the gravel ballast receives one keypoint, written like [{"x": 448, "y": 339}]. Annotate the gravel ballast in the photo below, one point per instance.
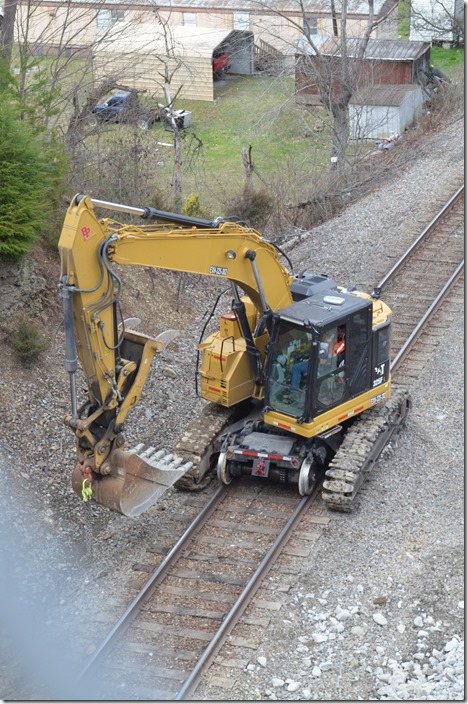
[{"x": 377, "y": 612}]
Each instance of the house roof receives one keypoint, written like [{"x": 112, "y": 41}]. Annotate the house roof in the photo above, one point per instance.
[
  {"x": 377, "y": 49},
  {"x": 182, "y": 41},
  {"x": 383, "y": 95},
  {"x": 249, "y": 6}
]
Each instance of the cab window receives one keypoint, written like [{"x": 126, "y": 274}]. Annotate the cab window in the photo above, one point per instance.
[
  {"x": 330, "y": 383},
  {"x": 290, "y": 356},
  {"x": 383, "y": 345}
]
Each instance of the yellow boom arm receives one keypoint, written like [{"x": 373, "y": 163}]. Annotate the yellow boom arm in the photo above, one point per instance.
[{"x": 116, "y": 362}]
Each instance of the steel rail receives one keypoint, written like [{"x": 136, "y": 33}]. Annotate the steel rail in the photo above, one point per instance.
[
  {"x": 236, "y": 611},
  {"x": 158, "y": 575},
  {"x": 427, "y": 315},
  {"x": 240, "y": 605},
  {"x": 417, "y": 241}
]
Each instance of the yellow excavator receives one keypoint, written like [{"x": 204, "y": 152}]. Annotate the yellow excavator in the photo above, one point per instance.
[{"x": 295, "y": 364}]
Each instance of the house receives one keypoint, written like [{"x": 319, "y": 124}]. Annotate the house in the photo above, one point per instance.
[
  {"x": 78, "y": 25},
  {"x": 437, "y": 21}
]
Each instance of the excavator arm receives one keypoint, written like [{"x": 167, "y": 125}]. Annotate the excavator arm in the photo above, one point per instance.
[{"x": 116, "y": 361}]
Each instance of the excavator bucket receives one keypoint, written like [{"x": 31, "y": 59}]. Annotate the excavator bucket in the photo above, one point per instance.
[{"x": 136, "y": 481}]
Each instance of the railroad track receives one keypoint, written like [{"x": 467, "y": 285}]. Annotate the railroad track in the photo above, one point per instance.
[
  {"x": 182, "y": 615},
  {"x": 414, "y": 286},
  {"x": 178, "y": 621}
]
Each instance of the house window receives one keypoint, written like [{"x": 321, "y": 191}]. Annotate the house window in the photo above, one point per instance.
[
  {"x": 107, "y": 18},
  {"x": 189, "y": 19},
  {"x": 310, "y": 26},
  {"x": 241, "y": 21}
]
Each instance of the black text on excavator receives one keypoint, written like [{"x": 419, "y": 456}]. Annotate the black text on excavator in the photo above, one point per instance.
[{"x": 294, "y": 363}]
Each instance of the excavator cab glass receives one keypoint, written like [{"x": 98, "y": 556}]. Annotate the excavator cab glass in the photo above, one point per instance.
[
  {"x": 330, "y": 375},
  {"x": 289, "y": 363}
]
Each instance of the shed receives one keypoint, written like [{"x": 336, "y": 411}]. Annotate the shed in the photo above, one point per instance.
[
  {"x": 381, "y": 111},
  {"x": 143, "y": 56},
  {"x": 386, "y": 62}
]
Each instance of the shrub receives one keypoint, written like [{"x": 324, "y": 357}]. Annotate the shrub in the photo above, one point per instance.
[
  {"x": 27, "y": 343},
  {"x": 255, "y": 208},
  {"x": 192, "y": 207}
]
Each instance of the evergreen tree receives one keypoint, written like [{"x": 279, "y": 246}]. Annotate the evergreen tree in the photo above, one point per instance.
[{"x": 26, "y": 176}]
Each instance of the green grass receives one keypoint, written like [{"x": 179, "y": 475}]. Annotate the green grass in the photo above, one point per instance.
[
  {"x": 404, "y": 11},
  {"x": 256, "y": 111},
  {"x": 450, "y": 61}
]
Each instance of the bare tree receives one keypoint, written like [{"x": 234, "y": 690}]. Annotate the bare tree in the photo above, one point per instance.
[
  {"x": 68, "y": 35},
  {"x": 439, "y": 20},
  {"x": 7, "y": 29},
  {"x": 335, "y": 66},
  {"x": 75, "y": 132},
  {"x": 249, "y": 166},
  {"x": 167, "y": 71}
]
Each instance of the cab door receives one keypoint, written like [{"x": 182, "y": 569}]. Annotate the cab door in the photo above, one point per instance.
[
  {"x": 344, "y": 360},
  {"x": 359, "y": 327},
  {"x": 330, "y": 383}
]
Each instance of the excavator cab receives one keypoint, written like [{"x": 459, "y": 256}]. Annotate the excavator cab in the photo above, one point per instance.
[
  {"x": 327, "y": 361},
  {"x": 320, "y": 354}
]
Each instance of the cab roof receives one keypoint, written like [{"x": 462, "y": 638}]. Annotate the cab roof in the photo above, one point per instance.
[{"x": 324, "y": 308}]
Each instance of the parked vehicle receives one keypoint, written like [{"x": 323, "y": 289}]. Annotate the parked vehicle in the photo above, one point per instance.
[
  {"x": 149, "y": 116},
  {"x": 125, "y": 107},
  {"x": 220, "y": 62},
  {"x": 122, "y": 106}
]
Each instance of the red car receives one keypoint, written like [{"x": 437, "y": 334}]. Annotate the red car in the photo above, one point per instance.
[{"x": 220, "y": 62}]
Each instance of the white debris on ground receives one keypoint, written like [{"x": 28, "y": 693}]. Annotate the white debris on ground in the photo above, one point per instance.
[{"x": 429, "y": 674}]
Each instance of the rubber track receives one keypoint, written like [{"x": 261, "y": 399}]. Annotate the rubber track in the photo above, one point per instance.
[{"x": 360, "y": 449}]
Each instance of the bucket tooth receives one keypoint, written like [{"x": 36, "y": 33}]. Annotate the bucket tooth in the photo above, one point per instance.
[
  {"x": 136, "y": 449},
  {"x": 147, "y": 453}
]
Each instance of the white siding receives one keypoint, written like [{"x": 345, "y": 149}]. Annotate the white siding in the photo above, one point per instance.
[
  {"x": 378, "y": 121},
  {"x": 373, "y": 121},
  {"x": 140, "y": 59}
]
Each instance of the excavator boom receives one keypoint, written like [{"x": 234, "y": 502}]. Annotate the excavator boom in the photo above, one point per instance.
[{"x": 116, "y": 361}]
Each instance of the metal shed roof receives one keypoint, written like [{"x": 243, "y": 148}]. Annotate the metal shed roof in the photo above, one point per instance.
[
  {"x": 292, "y": 6},
  {"x": 384, "y": 95},
  {"x": 313, "y": 6},
  {"x": 377, "y": 49}
]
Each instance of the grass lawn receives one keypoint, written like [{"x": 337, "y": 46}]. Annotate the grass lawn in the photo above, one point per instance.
[
  {"x": 404, "y": 12},
  {"x": 450, "y": 61},
  {"x": 249, "y": 110}
]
